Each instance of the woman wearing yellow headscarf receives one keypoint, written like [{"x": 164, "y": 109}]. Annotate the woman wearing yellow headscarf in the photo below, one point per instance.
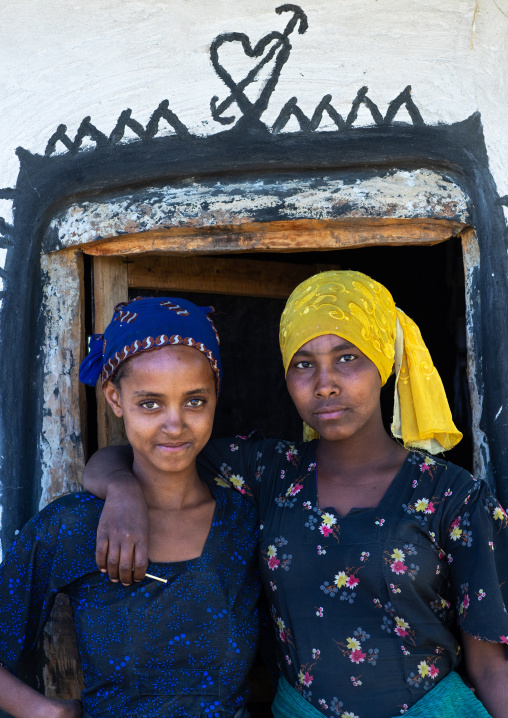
[{"x": 372, "y": 551}]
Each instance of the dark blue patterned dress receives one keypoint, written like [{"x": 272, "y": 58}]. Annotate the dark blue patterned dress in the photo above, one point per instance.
[
  {"x": 366, "y": 606},
  {"x": 148, "y": 650}
]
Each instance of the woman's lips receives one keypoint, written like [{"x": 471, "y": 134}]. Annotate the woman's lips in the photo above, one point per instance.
[
  {"x": 330, "y": 412},
  {"x": 174, "y": 448}
]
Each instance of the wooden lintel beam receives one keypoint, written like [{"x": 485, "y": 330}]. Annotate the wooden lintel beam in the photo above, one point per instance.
[
  {"x": 219, "y": 275},
  {"x": 284, "y": 236}
]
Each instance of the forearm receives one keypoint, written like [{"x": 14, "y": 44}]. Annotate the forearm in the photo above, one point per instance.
[
  {"x": 108, "y": 469},
  {"x": 122, "y": 535},
  {"x": 492, "y": 689},
  {"x": 21, "y": 701},
  {"x": 487, "y": 669}
]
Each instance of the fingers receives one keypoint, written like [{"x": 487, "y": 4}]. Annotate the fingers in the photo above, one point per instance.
[
  {"x": 101, "y": 551},
  {"x": 123, "y": 560},
  {"x": 140, "y": 563}
]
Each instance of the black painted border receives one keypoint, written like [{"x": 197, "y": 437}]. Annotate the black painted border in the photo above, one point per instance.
[{"x": 45, "y": 184}]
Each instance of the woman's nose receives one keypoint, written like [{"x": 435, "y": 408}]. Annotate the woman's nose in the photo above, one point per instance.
[
  {"x": 173, "y": 423},
  {"x": 326, "y": 382}
]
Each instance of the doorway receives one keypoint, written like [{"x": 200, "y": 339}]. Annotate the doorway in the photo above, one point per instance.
[{"x": 248, "y": 293}]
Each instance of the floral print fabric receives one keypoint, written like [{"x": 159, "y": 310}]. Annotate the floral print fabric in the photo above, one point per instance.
[
  {"x": 366, "y": 606},
  {"x": 181, "y": 649}
]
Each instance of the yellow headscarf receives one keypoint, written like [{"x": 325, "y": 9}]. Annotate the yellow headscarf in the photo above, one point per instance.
[{"x": 362, "y": 311}]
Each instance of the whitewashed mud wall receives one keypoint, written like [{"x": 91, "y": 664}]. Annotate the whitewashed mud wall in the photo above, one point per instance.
[{"x": 62, "y": 61}]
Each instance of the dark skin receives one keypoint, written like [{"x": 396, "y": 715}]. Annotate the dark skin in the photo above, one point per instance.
[{"x": 336, "y": 390}]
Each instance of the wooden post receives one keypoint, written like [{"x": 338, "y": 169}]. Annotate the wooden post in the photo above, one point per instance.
[{"x": 110, "y": 281}]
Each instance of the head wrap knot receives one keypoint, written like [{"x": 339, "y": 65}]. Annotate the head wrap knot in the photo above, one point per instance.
[{"x": 362, "y": 311}]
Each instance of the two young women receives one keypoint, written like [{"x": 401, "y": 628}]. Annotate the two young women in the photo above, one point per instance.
[
  {"x": 371, "y": 555},
  {"x": 180, "y": 642}
]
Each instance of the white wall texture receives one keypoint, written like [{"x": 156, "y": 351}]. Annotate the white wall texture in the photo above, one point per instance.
[{"x": 61, "y": 60}]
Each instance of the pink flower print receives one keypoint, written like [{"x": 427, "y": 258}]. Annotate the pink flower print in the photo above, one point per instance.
[
  {"x": 400, "y": 631},
  {"x": 356, "y": 681},
  {"x": 352, "y": 581},
  {"x": 288, "y": 659},
  {"x": 319, "y": 612},
  {"x": 307, "y": 505},
  {"x": 282, "y": 635},
  {"x": 323, "y": 704},
  {"x": 273, "y": 586},
  {"x": 316, "y": 653},
  {"x": 405, "y": 651},
  {"x": 379, "y": 522},
  {"x": 456, "y": 523},
  {"x": 377, "y": 602},
  {"x": 307, "y": 679},
  {"x": 448, "y": 492},
  {"x": 233, "y": 447},
  {"x": 398, "y": 567},
  {"x": 365, "y": 555},
  {"x": 433, "y": 671},
  {"x": 415, "y": 483},
  {"x": 357, "y": 656},
  {"x": 430, "y": 508},
  {"x": 465, "y": 602},
  {"x": 291, "y": 453},
  {"x": 312, "y": 466},
  {"x": 273, "y": 562},
  {"x": 325, "y": 530},
  {"x": 282, "y": 474},
  {"x": 481, "y": 594},
  {"x": 296, "y": 488},
  {"x": 321, "y": 550},
  {"x": 503, "y": 639},
  {"x": 424, "y": 467}
]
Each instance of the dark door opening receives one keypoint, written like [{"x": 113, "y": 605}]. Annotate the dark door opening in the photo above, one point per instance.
[{"x": 426, "y": 282}]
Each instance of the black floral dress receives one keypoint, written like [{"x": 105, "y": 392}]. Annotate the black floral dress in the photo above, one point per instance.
[
  {"x": 151, "y": 649},
  {"x": 366, "y": 606}
]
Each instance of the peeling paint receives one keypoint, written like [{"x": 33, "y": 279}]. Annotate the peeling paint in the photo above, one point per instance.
[
  {"x": 61, "y": 446},
  {"x": 397, "y": 195},
  {"x": 471, "y": 254}
]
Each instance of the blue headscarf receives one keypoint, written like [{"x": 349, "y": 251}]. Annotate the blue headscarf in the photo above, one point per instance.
[{"x": 146, "y": 324}]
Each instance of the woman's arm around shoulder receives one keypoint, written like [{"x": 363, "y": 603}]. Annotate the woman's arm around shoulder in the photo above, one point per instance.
[
  {"x": 487, "y": 668},
  {"x": 122, "y": 535}
]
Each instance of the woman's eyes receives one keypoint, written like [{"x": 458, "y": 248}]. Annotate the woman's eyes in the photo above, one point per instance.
[
  {"x": 343, "y": 359},
  {"x": 150, "y": 405},
  {"x": 303, "y": 365},
  {"x": 195, "y": 402}
]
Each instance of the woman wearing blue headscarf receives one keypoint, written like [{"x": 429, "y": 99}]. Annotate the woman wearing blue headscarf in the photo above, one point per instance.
[{"x": 181, "y": 641}]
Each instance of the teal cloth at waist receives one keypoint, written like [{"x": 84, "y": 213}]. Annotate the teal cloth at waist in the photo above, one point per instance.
[
  {"x": 451, "y": 698},
  {"x": 288, "y": 703}
]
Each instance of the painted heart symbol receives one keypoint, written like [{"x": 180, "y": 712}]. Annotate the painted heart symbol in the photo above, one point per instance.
[
  {"x": 274, "y": 45},
  {"x": 262, "y": 53}
]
